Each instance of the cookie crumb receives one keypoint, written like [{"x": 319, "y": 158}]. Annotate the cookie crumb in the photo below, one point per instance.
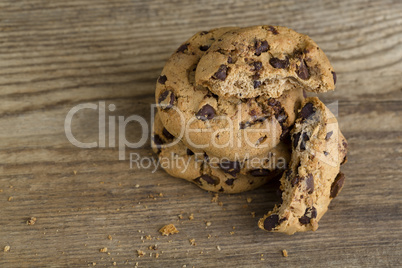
[
  {"x": 168, "y": 230},
  {"x": 285, "y": 253},
  {"x": 109, "y": 237},
  {"x": 191, "y": 217},
  {"x": 249, "y": 199},
  {"x": 192, "y": 242},
  {"x": 7, "y": 248},
  {"x": 103, "y": 250},
  {"x": 31, "y": 221},
  {"x": 10, "y": 198},
  {"x": 253, "y": 214},
  {"x": 94, "y": 264},
  {"x": 220, "y": 204},
  {"x": 218, "y": 248},
  {"x": 232, "y": 233},
  {"x": 140, "y": 253},
  {"x": 137, "y": 186},
  {"x": 156, "y": 255},
  {"x": 180, "y": 216},
  {"x": 154, "y": 247},
  {"x": 75, "y": 172},
  {"x": 215, "y": 198},
  {"x": 114, "y": 263},
  {"x": 208, "y": 223}
]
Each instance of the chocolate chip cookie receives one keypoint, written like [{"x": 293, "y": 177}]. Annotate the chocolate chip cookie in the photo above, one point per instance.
[
  {"x": 220, "y": 124},
  {"x": 313, "y": 178},
  {"x": 212, "y": 173}
]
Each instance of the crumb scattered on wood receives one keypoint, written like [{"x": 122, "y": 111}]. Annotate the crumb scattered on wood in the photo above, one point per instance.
[
  {"x": 192, "y": 242},
  {"x": 109, "y": 237},
  {"x": 180, "y": 216},
  {"x": 7, "y": 248},
  {"x": 10, "y": 198},
  {"x": 249, "y": 199},
  {"x": 285, "y": 253},
  {"x": 208, "y": 223},
  {"x": 103, "y": 250},
  {"x": 215, "y": 198},
  {"x": 168, "y": 230},
  {"x": 232, "y": 233},
  {"x": 31, "y": 221},
  {"x": 137, "y": 186},
  {"x": 253, "y": 214},
  {"x": 218, "y": 248},
  {"x": 154, "y": 247},
  {"x": 114, "y": 263},
  {"x": 140, "y": 253},
  {"x": 191, "y": 217}
]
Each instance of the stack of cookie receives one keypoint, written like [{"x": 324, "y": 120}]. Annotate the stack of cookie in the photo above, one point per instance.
[{"x": 232, "y": 115}]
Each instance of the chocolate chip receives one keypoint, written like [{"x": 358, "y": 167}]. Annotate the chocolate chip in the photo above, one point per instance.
[
  {"x": 230, "y": 167},
  {"x": 163, "y": 96},
  {"x": 221, "y": 73},
  {"x": 302, "y": 71},
  {"x": 182, "y": 48},
  {"x": 271, "y": 222},
  {"x": 158, "y": 142},
  {"x": 329, "y": 134},
  {"x": 326, "y": 153},
  {"x": 206, "y": 157},
  {"x": 230, "y": 60},
  {"x": 257, "y": 84},
  {"x": 307, "y": 111},
  {"x": 337, "y": 185},
  {"x": 273, "y": 30},
  {"x": 162, "y": 79},
  {"x": 279, "y": 64},
  {"x": 285, "y": 134},
  {"x": 281, "y": 117},
  {"x": 256, "y": 66},
  {"x": 261, "y": 46},
  {"x": 167, "y": 134},
  {"x": 189, "y": 152},
  {"x": 204, "y": 48},
  {"x": 204, "y": 32},
  {"x": 261, "y": 140},
  {"x": 208, "y": 179},
  {"x": 295, "y": 180},
  {"x": 345, "y": 160},
  {"x": 243, "y": 125},
  {"x": 310, "y": 213},
  {"x": 334, "y": 76},
  {"x": 310, "y": 183},
  {"x": 221, "y": 189},
  {"x": 296, "y": 138},
  {"x": 229, "y": 181},
  {"x": 305, "y": 138},
  {"x": 207, "y": 112}
]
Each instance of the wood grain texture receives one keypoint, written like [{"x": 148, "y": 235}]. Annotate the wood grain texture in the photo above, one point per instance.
[{"x": 57, "y": 54}]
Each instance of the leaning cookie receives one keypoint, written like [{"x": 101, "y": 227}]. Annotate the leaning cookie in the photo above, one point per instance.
[
  {"x": 313, "y": 178},
  {"x": 208, "y": 173},
  {"x": 224, "y": 126}
]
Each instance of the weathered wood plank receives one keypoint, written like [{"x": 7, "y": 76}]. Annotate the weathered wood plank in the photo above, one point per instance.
[{"x": 55, "y": 55}]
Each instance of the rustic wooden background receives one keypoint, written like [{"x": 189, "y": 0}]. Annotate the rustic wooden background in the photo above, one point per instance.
[{"x": 57, "y": 54}]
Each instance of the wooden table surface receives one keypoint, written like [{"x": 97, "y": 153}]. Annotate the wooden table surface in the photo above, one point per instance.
[{"x": 55, "y": 55}]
